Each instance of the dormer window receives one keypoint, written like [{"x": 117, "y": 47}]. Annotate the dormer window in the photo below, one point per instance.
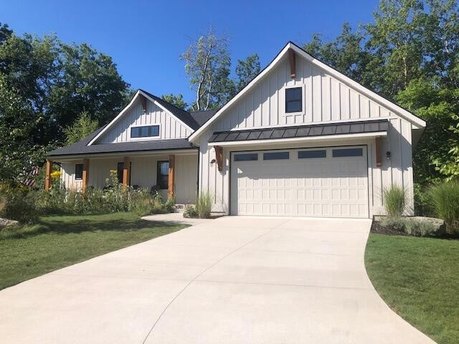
[
  {"x": 145, "y": 131},
  {"x": 293, "y": 99}
]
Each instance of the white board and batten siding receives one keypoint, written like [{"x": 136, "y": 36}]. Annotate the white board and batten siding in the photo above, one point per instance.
[
  {"x": 325, "y": 99},
  {"x": 143, "y": 174},
  {"x": 169, "y": 126}
]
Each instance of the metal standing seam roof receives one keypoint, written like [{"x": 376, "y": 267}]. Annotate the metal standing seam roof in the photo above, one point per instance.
[{"x": 313, "y": 130}]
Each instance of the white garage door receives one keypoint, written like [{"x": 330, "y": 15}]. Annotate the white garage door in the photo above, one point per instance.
[{"x": 323, "y": 182}]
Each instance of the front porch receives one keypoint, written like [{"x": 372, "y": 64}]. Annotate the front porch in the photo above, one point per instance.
[{"x": 171, "y": 174}]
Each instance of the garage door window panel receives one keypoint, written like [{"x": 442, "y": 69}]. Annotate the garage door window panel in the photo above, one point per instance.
[
  {"x": 246, "y": 157},
  {"x": 276, "y": 156},
  {"x": 347, "y": 152},
  {"x": 312, "y": 154}
]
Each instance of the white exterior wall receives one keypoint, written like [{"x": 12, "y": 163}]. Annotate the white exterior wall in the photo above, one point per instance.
[
  {"x": 169, "y": 126},
  {"x": 326, "y": 99},
  {"x": 68, "y": 175},
  {"x": 143, "y": 174}
]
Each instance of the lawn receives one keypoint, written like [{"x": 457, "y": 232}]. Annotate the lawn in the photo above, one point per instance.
[
  {"x": 419, "y": 279},
  {"x": 59, "y": 241}
]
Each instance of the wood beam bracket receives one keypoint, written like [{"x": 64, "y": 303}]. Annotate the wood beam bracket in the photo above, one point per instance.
[
  {"x": 292, "y": 63},
  {"x": 219, "y": 157},
  {"x": 143, "y": 100}
]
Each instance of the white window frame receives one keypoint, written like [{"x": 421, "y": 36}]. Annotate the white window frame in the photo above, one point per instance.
[
  {"x": 145, "y": 138},
  {"x": 284, "y": 99}
]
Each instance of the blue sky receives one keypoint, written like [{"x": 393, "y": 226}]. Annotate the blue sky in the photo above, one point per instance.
[{"x": 146, "y": 38}]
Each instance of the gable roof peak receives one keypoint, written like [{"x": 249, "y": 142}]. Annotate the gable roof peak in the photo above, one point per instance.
[{"x": 417, "y": 122}]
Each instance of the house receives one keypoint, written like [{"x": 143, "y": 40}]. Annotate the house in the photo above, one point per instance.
[{"x": 301, "y": 139}]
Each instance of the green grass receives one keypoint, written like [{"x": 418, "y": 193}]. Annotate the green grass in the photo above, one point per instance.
[
  {"x": 419, "y": 279},
  {"x": 59, "y": 241}
]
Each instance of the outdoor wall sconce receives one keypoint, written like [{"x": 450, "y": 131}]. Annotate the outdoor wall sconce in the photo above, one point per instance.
[{"x": 388, "y": 155}]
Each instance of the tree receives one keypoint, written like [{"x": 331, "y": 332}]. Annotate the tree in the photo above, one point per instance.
[
  {"x": 90, "y": 83},
  {"x": 207, "y": 63},
  {"x": 45, "y": 86},
  {"x": 5, "y": 32},
  {"x": 410, "y": 54},
  {"x": 82, "y": 127},
  {"x": 18, "y": 151},
  {"x": 345, "y": 53},
  {"x": 246, "y": 70},
  {"x": 176, "y": 100}
]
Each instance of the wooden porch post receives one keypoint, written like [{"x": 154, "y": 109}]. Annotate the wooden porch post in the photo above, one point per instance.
[
  {"x": 85, "y": 176},
  {"x": 48, "y": 170},
  {"x": 171, "y": 179},
  {"x": 126, "y": 165}
]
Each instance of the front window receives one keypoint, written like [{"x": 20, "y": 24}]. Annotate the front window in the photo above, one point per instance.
[
  {"x": 145, "y": 131},
  {"x": 162, "y": 177},
  {"x": 119, "y": 172},
  {"x": 78, "y": 171},
  {"x": 293, "y": 99}
]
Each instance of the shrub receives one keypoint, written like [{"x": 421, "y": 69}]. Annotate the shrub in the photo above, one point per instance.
[
  {"x": 394, "y": 201},
  {"x": 445, "y": 202},
  {"x": 422, "y": 205},
  {"x": 18, "y": 204},
  {"x": 413, "y": 226},
  {"x": 190, "y": 212},
  {"x": 204, "y": 205}
]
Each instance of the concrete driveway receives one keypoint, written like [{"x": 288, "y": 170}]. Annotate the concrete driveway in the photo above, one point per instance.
[{"x": 231, "y": 280}]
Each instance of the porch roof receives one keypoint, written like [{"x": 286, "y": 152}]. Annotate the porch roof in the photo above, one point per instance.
[
  {"x": 303, "y": 131},
  {"x": 82, "y": 148}
]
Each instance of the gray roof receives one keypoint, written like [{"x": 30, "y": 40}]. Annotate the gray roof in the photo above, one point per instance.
[
  {"x": 301, "y": 131},
  {"x": 82, "y": 148},
  {"x": 181, "y": 114},
  {"x": 193, "y": 120},
  {"x": 202, "y": 117}
]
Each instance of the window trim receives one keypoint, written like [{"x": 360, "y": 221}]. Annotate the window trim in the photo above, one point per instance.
[
  {"x": 145, "y": 137},
  {"x": 158, "y": 174},
  {"x": 75, "y": 172},
  {"x": 302, "y": 111}
]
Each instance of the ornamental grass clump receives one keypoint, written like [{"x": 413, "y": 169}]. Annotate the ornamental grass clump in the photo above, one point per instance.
[
  {"x": 445, "y": 202},
  {"x": 394, "y": 201},
  {"x": 204, "y": 205}
]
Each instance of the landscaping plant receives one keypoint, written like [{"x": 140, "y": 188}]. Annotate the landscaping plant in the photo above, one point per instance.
[
  {"x": 202, "y": 209},
  {"x": 445, "y": 202},
  {"x": 394, "y": 201},
  {"x": 204, "y": 205}
]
